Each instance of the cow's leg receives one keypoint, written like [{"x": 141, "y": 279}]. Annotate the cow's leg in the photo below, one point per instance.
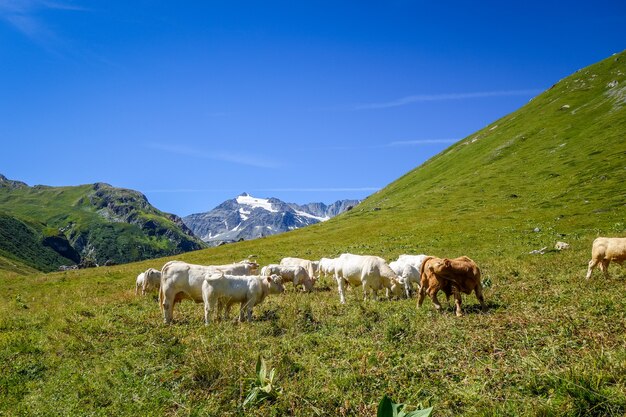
[
  {"x": 242, "y": 308},
  {"x": 207, "y": 312},
  {"x": 341, "y": 289},
  {"x": 422, "y": 294},
  {"x": 604, "y": 267},
  {"x": 226, "y": 306},
  {"x": 433, "y": 297},
  {"x": 479, "y": 294},
  {"x": 457, "y": 301},
  {"x": 249, "y": 306},
  {"x": 592, "y": 264}
]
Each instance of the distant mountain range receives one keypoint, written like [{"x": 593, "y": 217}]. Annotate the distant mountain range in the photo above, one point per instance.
[
  {"x": 246, "y": 217},
  {"x": 45, "y": 227}
]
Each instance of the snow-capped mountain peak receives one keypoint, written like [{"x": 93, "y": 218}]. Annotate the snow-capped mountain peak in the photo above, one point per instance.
[{"x": 247, "y": 217}]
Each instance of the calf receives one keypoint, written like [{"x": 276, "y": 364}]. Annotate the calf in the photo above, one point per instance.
[
  {"x": 453, "y": 277},
  {"x": 605, "y": 250},
  {"x": 407, "y": 267},
  {"x": 222, "y": 291},
  {"x": 294, "y": 274}
]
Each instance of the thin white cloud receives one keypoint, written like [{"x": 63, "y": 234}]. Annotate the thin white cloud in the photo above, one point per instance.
[
  {"x": 416, "y": 142},
  {"x": 442, "y": 97},
  {"x": 419, "y": 142},
  {"x": 23, "y": 16},
  {"x": 252, "y": 160}
]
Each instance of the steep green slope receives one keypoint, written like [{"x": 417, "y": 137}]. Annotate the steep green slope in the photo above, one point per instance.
[
  {"x": 97, "y": 222},
  {"x": 23, "y": 243}
]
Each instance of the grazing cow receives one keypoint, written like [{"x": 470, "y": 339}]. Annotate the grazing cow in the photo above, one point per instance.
[
  {"x": 605, "y": 250},
  {"x": 139, "y": 282},
  {"x": 326, "y": 267},
  {"x": 180, "y": 280},
  {"x": 305, "y": 263},
  {"x": 151, "y": 280},
  {"x": 407, "y": 267},
  {"x": 453, "y": 277},
  {"x": 221, "y": 291},
  {"x": 370, "y": 272},
  {"x": 294, "y": 274}
]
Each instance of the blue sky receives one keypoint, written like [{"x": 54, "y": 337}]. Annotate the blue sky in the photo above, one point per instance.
[{"x": 194, "y": 102}]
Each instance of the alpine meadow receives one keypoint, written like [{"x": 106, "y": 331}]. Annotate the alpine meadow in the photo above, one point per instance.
[{"x": 550, "y": 344}]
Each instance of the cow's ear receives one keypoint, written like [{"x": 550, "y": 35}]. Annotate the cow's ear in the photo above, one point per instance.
[
  {"x": 269, "y": 279},
  {"x": 446, "y": 262}
]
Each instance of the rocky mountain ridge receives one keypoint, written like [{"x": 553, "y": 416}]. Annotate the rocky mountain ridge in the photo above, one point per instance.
[
  {"x": 246, "y": 217},
  {"x": 89, "y": 224}
]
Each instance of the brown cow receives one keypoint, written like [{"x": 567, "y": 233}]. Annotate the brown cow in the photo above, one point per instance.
[{"x": 453, "y": 277}]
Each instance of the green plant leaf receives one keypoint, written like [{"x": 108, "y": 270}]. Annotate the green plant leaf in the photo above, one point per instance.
[
  {"x": 261, "y": 370},
  {"x": 251, "y": 397},
  {"x": 385, "y": 407},
  {"x": 426, "y": 412}
]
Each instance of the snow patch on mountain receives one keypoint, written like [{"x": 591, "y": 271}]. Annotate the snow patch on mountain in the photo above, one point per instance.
[{"x": 248, "y": 200}]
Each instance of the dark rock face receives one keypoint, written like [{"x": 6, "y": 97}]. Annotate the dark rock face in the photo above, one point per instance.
[
  {"x": 247, "y": 217},
  {"x": 62, "y": 246}
]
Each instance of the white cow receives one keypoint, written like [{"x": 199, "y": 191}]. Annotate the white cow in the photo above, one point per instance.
[
  {"x": 370, "y": 272},
  {"x": 605, "y": 250},
  {"x": 305, "y": 263},
  {"x": 407, "y": 267},
  {"x": 326, "y": 267},
  {"x": 289, "y": 273},
  {"x": 151, "y": 280},
  {"x": 221, "y": 291},
  {"x": 180, "y": 280},
  {"x": 139, "y": 282},
  {"x": 238, "y": 268}
]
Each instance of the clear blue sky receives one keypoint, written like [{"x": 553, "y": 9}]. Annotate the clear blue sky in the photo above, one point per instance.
[{"x": 194, "y": 102}]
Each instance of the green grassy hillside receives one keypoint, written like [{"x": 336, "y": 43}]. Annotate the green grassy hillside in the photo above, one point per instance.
[
  {"x": 96, "y": 222},
  {"x": 551, "y": 344}
]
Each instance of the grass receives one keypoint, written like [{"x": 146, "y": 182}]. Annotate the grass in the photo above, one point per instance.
[
  {"x": 551, "y": 343},
  {"x": 82, "y": 343}
]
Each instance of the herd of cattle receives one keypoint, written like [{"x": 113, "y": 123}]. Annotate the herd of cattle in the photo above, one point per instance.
[{"x": 220, "y": 286}]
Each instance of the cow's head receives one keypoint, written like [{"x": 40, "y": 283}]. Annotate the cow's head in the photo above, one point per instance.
[
  {"x": 275, "y": 284},
  {"x": 439, "y": 265},
  {"x": 396, "y": 287}
]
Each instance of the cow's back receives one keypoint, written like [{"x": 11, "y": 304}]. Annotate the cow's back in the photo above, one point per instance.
[{"x": 611, "y": 248}]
